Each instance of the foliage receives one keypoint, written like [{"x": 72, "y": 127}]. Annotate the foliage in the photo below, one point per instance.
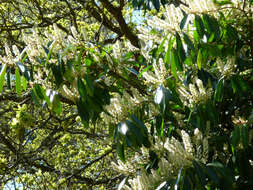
[{"x": 91, "y": 103}]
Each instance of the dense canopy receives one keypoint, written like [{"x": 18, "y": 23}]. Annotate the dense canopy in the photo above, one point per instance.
[{"x": 135, "y": 94}]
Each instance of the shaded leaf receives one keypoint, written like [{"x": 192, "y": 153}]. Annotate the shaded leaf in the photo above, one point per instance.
[
  {"x": 120, "y": 151},
  {"x": 89, "y": 85},
  {"x": 183, "y": 21},
  {"x": 81, "y": 89},
  {"x": 188, "y": 42},
  {"x": 219, "y": 90},
  {"x": 235, "y": 136},
  {"x": 83, "y": 112}
]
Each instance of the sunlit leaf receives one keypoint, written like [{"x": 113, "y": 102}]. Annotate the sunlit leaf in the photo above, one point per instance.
[
  {"x": 2, "y": 75},
  {"x": 199, "y": 59},
  {"x": 24, "y": 82},
  {"x": 18, "y": 81}
]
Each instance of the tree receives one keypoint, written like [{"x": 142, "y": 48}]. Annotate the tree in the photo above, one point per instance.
[{"x": 90, "y": 102}]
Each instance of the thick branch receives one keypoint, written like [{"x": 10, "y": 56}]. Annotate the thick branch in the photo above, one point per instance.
[{"x": 116, "y": 12}]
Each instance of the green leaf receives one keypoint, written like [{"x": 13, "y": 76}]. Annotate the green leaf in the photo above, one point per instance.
[
  {"x": 144, "y": 70},
  {"x": 199, "y": 59},
  {"x": 48, "y": 52},
  {"x": 183, "y": 21},
  {"x": 24, "y": 70},
  {"x": 161, "y": 97},
  {"x": 188, "y": 42},
  {"x": 144, "y": 131},
  {"x": 161, "y": 48},
  {"x": 2, "y": 75},
  {"x": 24, "y": 82},
  {"x": 39, "y": 91},
  {"x": 89, "y": 85},
  {"x": 18, "y": 81},
  {"x": 180, "y": 52},
  {"x": 211, "y": 173},
  {"x": 200, "y": 173},
  {"x": 179, "y": 177},
  {"x": 167, "y": 56},
  {"x": 8, "y": 77},
  {"x": 211, "y": 25},
  {"x": 222, "y": 2},
  {"x": 235, "y": 136},
  {"x": 199, "y": 26},
  {"x": 83, "y": 112},
  {"x": 134, "y": 134},
  {"x": 156, "y": 4},
  {"x": 81, "y": 89},
  {"x": 120, "y": 151},
  {"x": 219, "y": 90},
  {"x": 173, "y": 65},
  {"x": 56, "y": 104},
  {"x": 57, "y": 72},
  {"x": 245, "y": 136},
  {"x": 35, "y": 97}
]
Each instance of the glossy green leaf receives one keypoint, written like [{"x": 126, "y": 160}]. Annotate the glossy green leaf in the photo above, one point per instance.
[
  {"x": 18, "y": 81},
  {"x": 56, "y": 104},
  {"x": 199, "y": 59},
  {"x": 219, "y": 90},
  {"x": 180, "y": 52},
  {"x": 211, "y": 173},
  {"x": 200, "y": 173},
  {"x": 211, "y": 25},
  {"x": 179, "y": 177},
  {"x": 134, "y": 134},
  {"x": 199, "y": 26},
  {"x": 183, "y": 21},
  {"x": 48, "y": 52},
  {"x": 235, "y": 136},
  {"x": 156, "y": 4},
  {"x": 8, "y": 77},
  {"x": 39, "y": 91},
  {"x": 35, "y": 97},
  {"x": 173, "y": 65},
  {"x": 89, "y": 85},
  {"x": 144, "y": 70},
  {"x": 24, "y": 70},
  {"x": 222, "y": 2},
  {"x": 167, "y": 57},
  {"x": 188, "y": 42},
  {"x": 57, "y": 72},
  {"x": 245, "y": 136},
  {"x": 120, "y": 151},
  {"x": 2, "y": 75},
  {"x": 24, "y": 82},
  {"x": 161, "y": 46},
  {"x": 83, "y": 112},
  {"x": 81, "y": 89}
]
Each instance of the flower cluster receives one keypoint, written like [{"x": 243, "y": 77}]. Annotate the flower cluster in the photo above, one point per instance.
[
  {"x": 199, "y": 6},
  {"x": 227, "y": 68},
  {"x": 121, "y": 106},
  {"x": 174, "y": 156},
  {"x": 192, "y": 95},
  {"x": 159, "y": 75}
]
